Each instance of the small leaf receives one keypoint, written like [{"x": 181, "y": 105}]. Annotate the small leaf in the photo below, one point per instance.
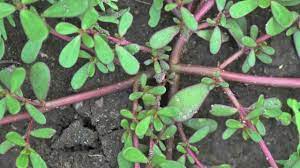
[
  {"x": 2, "y": 47},
  {"x": 163, "y": 37},
  {"x": 268, "y": 50},
  {"x": 129, "y": 63},
  {"x": 189, "y": 100},
  {"x": 89, "y": 19},
  {"x": 134, "y": 155},
  {"x": 155, "y": 12},
  {"x": 6, "y": 9},
  {"x": 30, "y": 51},
  {"x": 231, "y": 123},
  {"x": 125, "y": 23},
  {"x": 88, "y": 40},
  {"x": 248, "y": 42},
  {"x": 273, "y": 27},
  {"x": 188, "y": 19},
  {"x": 6, "y": 146},
  {"x": 254, "y": 114},
  {"x": 215, "y": 40},
  {"x": 264, "y": 58},
  {"x": 69, "y": 55},
  {"x": 13, "y": 105},
  {"x": 260, "y": 128},
  {"x": 127, "y": 114},
  {"x": 158, "y": 125},
  {"x": 228, "y": 133},
  {"x": 40, "y": 78},
  {"x": 170, "y": 6},
  {"x": 135, "y": 95},
  {"x": 17, "y": 79},
  {"x": 220, "y": 4},
  {"x": 222, "y": 110},
  {"x": 80, "y": 77},
  {"x": 198, "y": 123},
  {"x": 264, "y": 3},
  {"x": 171, "y": 164},
  {"x": 37, "y": 161},
  {"x": 242, "y": 8},
  {"x": 22, "y": 161},
  {"x": 66, "y": 8},
  {"x": 296, "y": 37},
  {"x": 15, "y": 138},
  {"x": 149, "y": 99},
  {"x": 281, "y": 14},
  {"x": 254, "y": 31},
  {"x": 2, "y": 107},
  {"x": 168, "y": 111},
  {"x": 251, "y": 59},
  {"x": 285, "y": 118},
  {"x": 66, "y": 28},
  {"x": 103, "y": 51},
  {"x": 122, "y": 162},
  {"x": 169, "y": 132},
  {"x": 254, "y": 135},
  {"x": 142, "y": 126},
  {"x": 45, "y": 133},
  {"x": 205, "y": 34},
  {"x": 35, "y": 114},
  {"x": 33, "y": 25},
  {"x": 158, "y": 90},
  {"x": 199, "y": 135}
]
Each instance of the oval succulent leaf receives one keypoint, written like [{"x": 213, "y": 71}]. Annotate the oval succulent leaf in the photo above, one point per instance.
[
  {"x": 2, "y": 48},
  {"x": 168, "y": 111},
  {"x": 13, "y": 105},
  {"x": 133, "y": 154},
  {"x": 248, "y": 41},
  {"x": 163, "y": 37},
  {"x": 129, "y": 63},
  {"x": 2, "y": 107},
  {"x": 296, "y": 37},
  {"x": 37, "y": 161},
  {"x": 125, "y": 23},
  {"x": 198, "y": 123},
  {"x": 30, "y": 51},
  {"x": 155, "y": 12},
  {"x": 33, "y": 25},
  {"x": 45, "y": 133},
  {"x": 281, "y": 14},
  {"x": 199, "y": 135},
  {"x": 67, "y": 8},
  {"x": 220, "y": 110},
  {"x": 189, "y": 100},
  {"x": 242, "y": 8},
  {"x": 169, "y": 132},
  {"x": 22, "y": 161},
  {"x": 231, "y": 123},
  {"x": 6, "y": 9},
  {"x": 228, "y": 133},
  {"x": 273, "y": 27},
  {"x": 103, "y": 51},
  {"x": 188, "y": 19},
  {"x": 215, "y": 40},
  {"x": 6, "y": 146},
  {"x": 70, "y": 53},
  {"x": 89, "y": 19},
  {"x": 80, "y": 77},
  {"x": 40, "y": 80},
  {"x": 221, "y": 4},
  {"x": 66, "y": 28},
  {"x": 143, "y": 126},
  {"x": 17, "y": 79},
  {"x": 15, "y": 138},
  {"x": 35, "y": 114}
]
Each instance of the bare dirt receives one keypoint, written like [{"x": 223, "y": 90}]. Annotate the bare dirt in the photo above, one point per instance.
[{"x": 88, "y": 133}]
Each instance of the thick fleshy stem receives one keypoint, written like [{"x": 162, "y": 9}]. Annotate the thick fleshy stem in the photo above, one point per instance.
[
  {"x": 189, "y": 151},
  {"x": 243, "y": 114},
  {"x": 68, "y": 100},
  {"x": 237, "y": 77}
]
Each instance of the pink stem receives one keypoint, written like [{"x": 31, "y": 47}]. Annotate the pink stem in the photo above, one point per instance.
[
  {"x": 204, "y": 9},
  {"x": 238, "y": 77},
  {"x": 134, "y": 112},
  {"x": 125, "y": 42},
  {"x": 72, "y": 99}
]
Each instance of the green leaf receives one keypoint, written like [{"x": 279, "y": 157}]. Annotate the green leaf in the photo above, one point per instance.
[
  {"x": 228, "y": 133},
  {"x": 2, "y": 107},
  {"x": 296, "y": 37},
  {"x": 285, "y": 118},
  {"x": 129, "y": 63},
  {"x": 28, "y": 1},
  {"x": 158, "y": 90},
  {"x": 89, "y": 19},
  {"x": 248, "y": 42},
  {"x": 163, "y": 37},
  {"x": 37, "y": 161},
  {"x": 2, "y": 47},
  {"x": 6, "y": 146},
  {"x": 220, "y": 110},
  {"x": 254, "y": 135},
  {"x": 103, "y": 51},
  {"x": 189, "y": 100},
  {"x": 35, "y": 114},
  {"x": 281, "y": 14},
  {"x": 102, "y": 68},
  {"x": 242, "y": 8},
  {"x": 22, "y": 161},
  {"x": 215, "y": 40},
  {"x": 17, "y": 79},
  {"x": 254, "y": 114},
  {"x": 254, "y": 31},
  {"x": 251, "y": 59},
  {"x": 221, "y": 4},
  {"x": 260, "y": 128},
  {"x": 188, "y": 19},
  {"x": 40, "y": 78},
  {"x": 6, "y": 9},
  {"x": 198, "y": 123},
  {"x": 264, "y": 3},
  {"x": 155, "y": 12},
  {"x": 12, "y": 105},
  {"x": 133, "y": 48},
  {"x": 231, "y": 123},
  {"x": 199, "y": 135},
  {"x": 273, "y": 27},
  {"x": 267, "y": 49},
  {"x": 15, "y": 138},
  {"x": 170, "y": 6},
  {"x": 122, "y": 162},
  {"x": 67, "y": 8},
  {"x": 169, "y": 132},
  {"x": 272, "y": 103},
  {"x": 143, "y": 126},
  {"x": 135, "y": 95},
  {"x": 204, "y": 34},
  {"x": 88, "y": 40},
  {"x": 158, "y": 125},
  {"x": 45, "y": 133},
  {"x": 264, "y": 58},
  {"x": 66, "y": 28},
  {"x": 169, "y": 111},
  {"x": 171, "y": 164},
  {"x": 80, "y": 77},
  {"x": 33, "y": 25},
  {"x": 125, "y": 23},
  {"x": 235, "y": 29},
  {"x": 70, "y": 53},
  {"x": 30, "y": 51},
  {"x": 133, "y": 154},
  {"x": 127, "y": 114}
]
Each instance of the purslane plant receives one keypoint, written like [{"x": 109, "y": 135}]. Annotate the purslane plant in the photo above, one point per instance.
[{"x": 93, "y": 44}]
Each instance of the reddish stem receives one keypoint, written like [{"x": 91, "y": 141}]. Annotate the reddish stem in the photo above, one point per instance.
[
  {"x": 125, "y": 42},
  {"x": 134, "y": 112},
  {"x": 204, "y": 9},
  {"x": 238, "y": 77},
  {"x": 73, "y": 99},
  {"x": 29, "y": 128}
]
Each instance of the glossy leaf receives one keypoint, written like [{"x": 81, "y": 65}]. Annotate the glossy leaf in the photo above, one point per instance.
[
  {"x": 22, "y": 161},
  {"x": 12, "y": 105},
  {"x": 254, "y": 135},
  {"x": 66, "y": 28},
  {"x": 122, "y": 162},
  {"x": 273, "y": 27},
  {"x": 80, "y": 77},
  {"x": 199, "y": 135},
  {"x": 260, "y": 128},
  {"x": 264, "y": 58},
  {"x": 33, "y": 25},
  {"x": 188, "y": 19},
  {"x": 158, "y": 125},
  {"x": 40, "y": 78},
  {"x": 67, "y": 8},
  {"x": 251, "y": 59},
  {"x": 189, "y": 100},
  {"x": 169, "y": 132},
  {"x": 6, "y": 9},
  {"x": 248, "y": 42},
  {"x": 168, "y": 111},
  {"x": 222, "y": 110},
  {"x": 163, "y": 37},
  {"x": 128, "y": 62},
  {"x": 158, "y": 90},
  {"x": 126, "y": 113},
  {"x": 143, "y": 126},
  {"x": 221, "y": 4},
  {"x": 231, "y": 123},
  {"x": 103, "y": 51},
  {"x": 228, "y": 133},
  {"x": 6, "y": 146},
  {"x": 89, "y": 19},
  {"x": 281, "y": 14},
  {"x": 37, "y": 161},
  {"x": 17, "y": 78},
  {"x": 134, "y": 155},
  {"x": 125, "y": 23},
  {"x": 155, "y": 12},
  {"x": 296, "y": 37},
  {"x": 215, "y": 41},
  {"x": 30, "y": 51},
  {"x": 198, "y": 123},
  {"x": 70, "y": 53},
  {"x": 45, "y": 133},
  {"x": 242, "y": 8},
  {"x": 35, "y": 114},
  {"x": 15, "y": 138}
]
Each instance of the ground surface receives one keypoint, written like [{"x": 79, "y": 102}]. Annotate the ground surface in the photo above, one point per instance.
[{"x": 88, "y": 133}]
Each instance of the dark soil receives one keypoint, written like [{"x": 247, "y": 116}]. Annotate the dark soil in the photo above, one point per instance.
[{"x": 88, "y": 133}]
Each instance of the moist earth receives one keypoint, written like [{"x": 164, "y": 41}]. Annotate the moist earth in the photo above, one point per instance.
[{"x": 88, "y": 133}]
